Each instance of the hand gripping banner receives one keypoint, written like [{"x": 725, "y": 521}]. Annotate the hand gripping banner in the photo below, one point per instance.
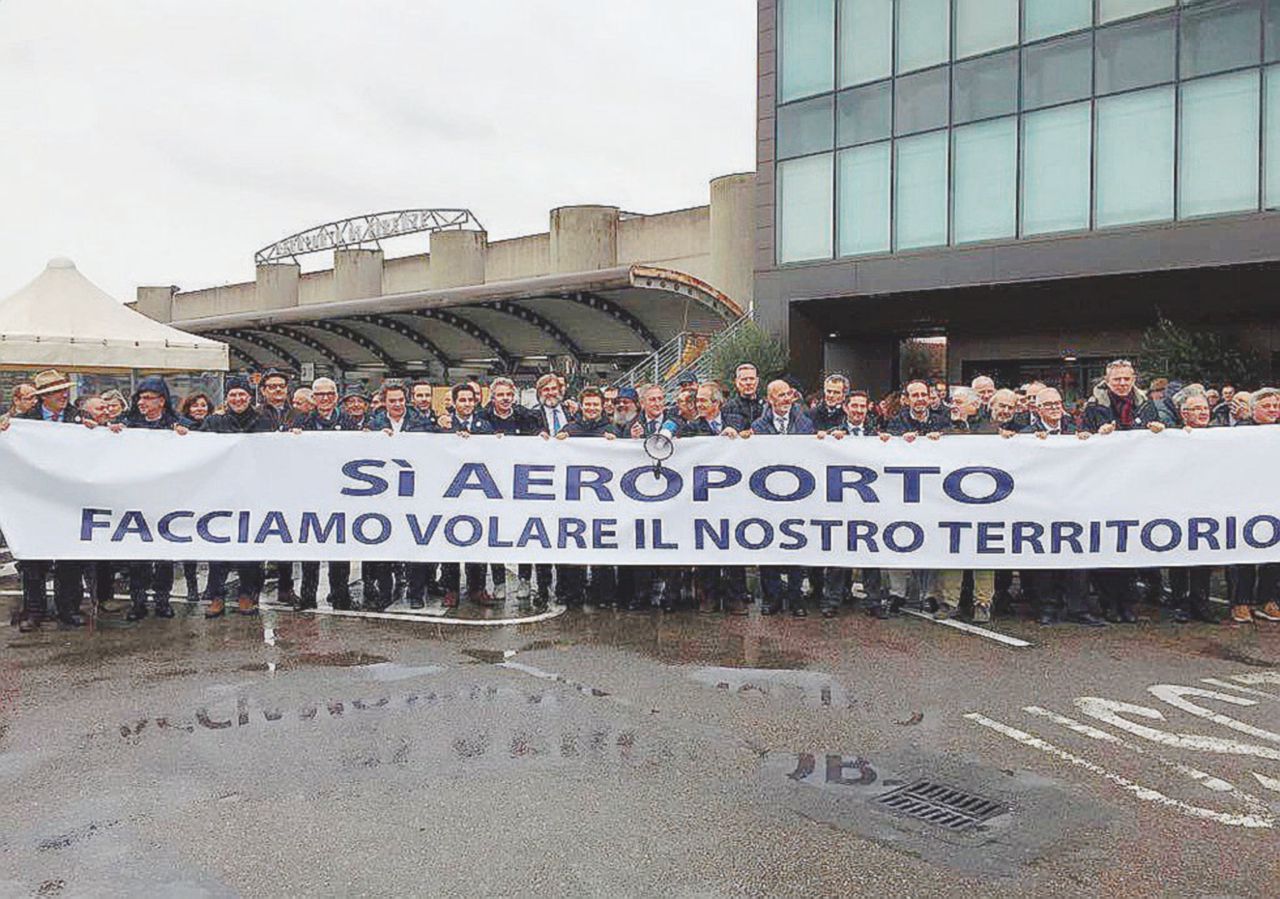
[{"x": 1134, "y": 499}]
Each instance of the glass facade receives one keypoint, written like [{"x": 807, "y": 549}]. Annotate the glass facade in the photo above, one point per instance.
[{"x": 909, "y": 124}]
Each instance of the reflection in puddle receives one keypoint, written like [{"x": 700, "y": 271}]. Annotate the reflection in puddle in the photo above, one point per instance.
[
  {"x": 813, "y": 688},
  {"x": 346, "y": 659},
  {"x": 685, "y": 640}
]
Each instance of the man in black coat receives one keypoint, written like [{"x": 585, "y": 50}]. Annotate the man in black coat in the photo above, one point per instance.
[
  {"x": 239, "y": 417},
  {"x": 507, "y": 417},
  {"x": 151, "y": 409},
  {"x": 52, "y": 396},
  {"x": 325, "y": 418},
  {"x": 277, "y": 414},
  {"x": 829, "y": 414},
  {"x": 744, "y": 403}
]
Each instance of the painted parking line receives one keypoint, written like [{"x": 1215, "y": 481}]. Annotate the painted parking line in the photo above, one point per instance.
[
  {"x": 971, "y": 629},
  {"x": 426, "y": 619}
]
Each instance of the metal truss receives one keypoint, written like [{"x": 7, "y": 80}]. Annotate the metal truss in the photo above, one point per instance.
[
  {"x": 617, "y": 313},
  {"x": 254, "y": 340},
  {"x": 360, "y": 340},
  {"x": 309, "y": 342},
  {"x": 542, "y": 323},
  {"x": 244, "y": 357},
  {"x": 471, "y": 329},
  {"x": 370, "y": 228},
  {"x": 411, "y": 334}
]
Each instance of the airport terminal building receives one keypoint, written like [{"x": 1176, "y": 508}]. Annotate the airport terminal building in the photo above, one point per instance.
[{"x": 1032, "y": 180}]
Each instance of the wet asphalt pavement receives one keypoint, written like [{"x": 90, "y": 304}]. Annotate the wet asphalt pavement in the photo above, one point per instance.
[{"x": 613, "y": 753}]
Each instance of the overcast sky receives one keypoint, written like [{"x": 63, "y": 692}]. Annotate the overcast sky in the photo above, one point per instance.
[{"x": 164, "y": 141}]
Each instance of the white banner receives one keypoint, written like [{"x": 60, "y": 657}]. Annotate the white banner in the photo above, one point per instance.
[{"x": 1135, "y": 499}]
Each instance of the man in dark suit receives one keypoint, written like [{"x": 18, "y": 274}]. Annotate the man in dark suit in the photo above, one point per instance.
[
  {"x": 782, "y": 417},
  {"x": 49, "y": 402},
  {"x": 717, "y": 586},
  {"x": 744, "y": 402},
  {"x": 465, "y": 420},
  {"x": 837, "y": 581}
]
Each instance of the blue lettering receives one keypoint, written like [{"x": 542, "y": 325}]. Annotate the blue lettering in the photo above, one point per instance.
[
  {"x": 202, "y": 527},
  {"x": 164, "y": 527},
  {"x": 1175, "y": 535},
  {"x": 89, "y": 522},
  {"x": 703, "y": 531},
  {"x": 790, "y": 528},
  {"x": 575, "y": 483},
  {"x": 451, "y": 530},
  {"x": 703, "y": 483},
  {"x": 1205, "y": 529},
  {"x": 524, "y": 479},
  {"x": 132, "y": 523},
  {"x": 910, "y": 482},
  {"x": 604, "y": 534},
  {"x": 358, "y": 528},
  {"x": 838, "y": 483},
  {"x": 421, "y": 537},
  {"x": 1028, "y": 534},
  {"x": 766, "y": 533},
  {"x": 534, "y": 532},
  {"x": 804, "y": 483},
  {"x": 273, "y": 525},
  {"x": 354, "y": 470},
  {"x": 991, "y": 537},
  {"x": 1251, "y": 538},
  {"x": 673, "y": 483},
  {"x": 474, "y": 476},
  {"x": 335, "y": 526},
  {"x": 954, "y": 531},
  {"x": 916, "y": 532},
  {"x": 863, "y": 532},
  {"x": 1002, "y": 485},
  {"x": 1066, "y": 532},
  {"x": 571, "y": 529}
]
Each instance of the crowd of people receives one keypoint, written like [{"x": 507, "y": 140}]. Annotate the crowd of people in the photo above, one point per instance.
[{"x": 922, "y": 409}]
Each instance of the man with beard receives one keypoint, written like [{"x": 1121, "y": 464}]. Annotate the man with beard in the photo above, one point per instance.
[
  {"x": 151, "y": 409},
  {"x": 49, "y": 401},
  {"x": 325, "y": 418},
  {"x": 239, "y": 417}
]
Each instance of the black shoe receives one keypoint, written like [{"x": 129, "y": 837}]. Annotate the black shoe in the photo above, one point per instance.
[
  {"x": 1202, "y": 614},
  {"x": 137, "y": 612},
  {"x": 769, "y": 609},
  {"x": 1127, "y": 616},
  {"x": 163, "y": 609},
  {"x": 1047, "y": 618},
  {"x": 799, "y": 612},
  {"x": 305, "y": 603},
  {"x": 70, "y": 620},
  {"x": 417, "y": 603},
  {"x": 28, "y": 623},
  {"x": 881, "y": 610},
  {"x": 1086, "y": 619},
  {"x": 1181, "y": 616},
  {"x": 340, "y": 603},
  {"x": 828, "y": 613}
]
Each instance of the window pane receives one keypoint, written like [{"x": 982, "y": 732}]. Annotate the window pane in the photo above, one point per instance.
[
  {"x": 864, "y": 114},
  {"x": 983, "y": 25},
  {"x": 1219, "y": 36},
  {"x": 866, "y": 41},
  {"x": 924, "y": 33},
  {"x": 985, "y": 167},
  {"x": 1135, "y": 54},
  {"x": 1272, "y": 148},
  {"x": 1057, "y": 72},
  {"x": 1135, "y": 157},
  {"x": 921, "y": 191},
  {"x": 1119, "y": 9},
  {"x": 921, "y": 101},
  {"x": 1045, "y": 18},
  {"x": 805, "y": 128},
  {"x": 863, "y": 204},
  {"x": 804, "y": 209},
  {"x": 1218, "y": 158},
  {"x": 1055, "y": 169},
  {"x": 1272, "y": 14},
  {"x": 986, "y": 87},
  {"x": 807, "y": 47}
]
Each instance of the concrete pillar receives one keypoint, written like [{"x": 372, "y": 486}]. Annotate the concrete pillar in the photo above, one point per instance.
[
  {"x": 155, "y": 302},
  {"x": 584, "y": 238},
  {"x": 457, "y": 258},
  {"x": 277, "y": 285},
  {"x": 733, "y": 221},
  {"x": 357, "y": 273}
]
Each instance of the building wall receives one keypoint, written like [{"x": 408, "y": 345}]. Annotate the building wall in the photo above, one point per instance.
[
  {"x": 518, "y": 257},
  {"x": 406, "y": 273}
]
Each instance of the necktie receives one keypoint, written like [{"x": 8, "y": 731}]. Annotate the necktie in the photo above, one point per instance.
[
  {"x": 555, "y": 420},
  {"x": 716, "y": 425},
  {"x": 780, "y": 425}
]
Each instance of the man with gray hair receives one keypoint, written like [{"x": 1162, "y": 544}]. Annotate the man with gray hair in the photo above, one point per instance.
[
  {"x": 326, "y": 417},
  {"x": 986, "y": 389},
  {"x": 1234, "y": 412}
]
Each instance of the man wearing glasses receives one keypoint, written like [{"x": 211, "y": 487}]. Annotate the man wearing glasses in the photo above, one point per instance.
[{"x": 275, "y": 413}]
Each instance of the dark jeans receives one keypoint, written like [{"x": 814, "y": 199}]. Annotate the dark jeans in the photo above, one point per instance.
[
  {"x": 723, "y": 584},
  {"x": 249, "y": 573},
  {"x": 451, "y": 576},
  {"x": 837, "y": 583},
  {"x": 777, "y": 594},
  {"x": 378, "y": 580},
  {"x": 284, "y": 578},
  {"x": 156, "y": 577},
  {"x": 1190, "y": 588},
  {"x": 1115, "y": 589},
  {"x": 1060, "y": 591},
  {"x": 339, "y": 582},
  {"x": 1253, "y": 585},
  {"x": 422, "y": 578},
  {"x": 68, "y": 588}
]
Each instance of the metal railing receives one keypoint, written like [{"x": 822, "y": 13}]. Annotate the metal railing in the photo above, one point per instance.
[{"x": 688, "y": 351}]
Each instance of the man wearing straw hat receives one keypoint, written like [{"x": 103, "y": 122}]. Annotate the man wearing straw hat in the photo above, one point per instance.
[{"x": 53, "y": 394}]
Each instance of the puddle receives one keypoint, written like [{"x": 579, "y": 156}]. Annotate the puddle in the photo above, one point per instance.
[
  {"x": 346, "y": 659},
  {"x": 391, "y": 671},
  {"x": 489, "y": 656},
  {"x": 813, "y": 688}
]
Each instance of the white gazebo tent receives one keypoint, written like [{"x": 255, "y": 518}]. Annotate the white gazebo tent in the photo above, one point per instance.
[{"x": 63, "y": 320}]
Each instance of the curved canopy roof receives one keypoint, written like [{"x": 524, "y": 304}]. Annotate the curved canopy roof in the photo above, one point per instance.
[
  {"x": 606, "y": 315},
  {"x": 64, "y": 320}
]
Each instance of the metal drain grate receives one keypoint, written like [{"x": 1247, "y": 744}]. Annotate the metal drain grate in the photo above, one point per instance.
[{"x": 941, "y": 805}]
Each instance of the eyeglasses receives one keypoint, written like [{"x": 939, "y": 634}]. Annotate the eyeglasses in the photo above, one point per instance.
[{"x": 324, "y": 393}]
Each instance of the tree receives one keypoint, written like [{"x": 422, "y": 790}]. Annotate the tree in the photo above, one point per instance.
[
  {"x": 1199, "y": 355},
  {"x": 749, "y": 343}
]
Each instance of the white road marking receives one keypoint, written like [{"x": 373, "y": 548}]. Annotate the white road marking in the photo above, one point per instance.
[
  {"x": 1111, "y": 712},
  {"x": 1145, "y": 793},
  {"x": 427, "y": 619},
  {"x": 970, "y": 629},
  {"x": 1175, "y": 696},
  {"x": 1214, "y": 682},
  {"x": 1206, "y": 780},
  {"x": 1269, "y": 782}
]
